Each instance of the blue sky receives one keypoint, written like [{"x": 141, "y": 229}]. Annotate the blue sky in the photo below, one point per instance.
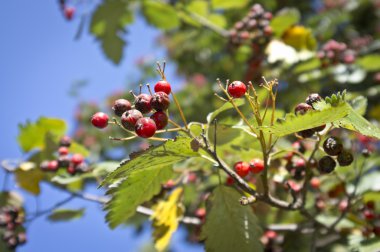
[{"x": 40, "y": 60}]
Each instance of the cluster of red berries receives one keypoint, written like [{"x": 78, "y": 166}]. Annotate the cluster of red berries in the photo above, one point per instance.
[
  {"x": 333, "y": 147},
  {"x": 242, "y": 168},
  {"x": 68, "y": 11},
  {"x": 303, "y": 108},
  {"x": 11, "y": 219},
  {"x": 72, "y": 163},
  {"x": 334, "y": 52},
  {"x": 132, "y": 117},
  {"x": 253, "y": 28}
]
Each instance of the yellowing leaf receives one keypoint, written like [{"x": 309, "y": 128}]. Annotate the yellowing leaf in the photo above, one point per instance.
[
  {"x": 166, "y": 219},
  {"x": 300, "y": 38},
  {"x": 29, "y": 180}
]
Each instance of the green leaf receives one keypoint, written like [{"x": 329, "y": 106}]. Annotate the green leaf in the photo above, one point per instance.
[
  {"x": 295, "y": 123},
  {"x": 78, "y": 148},
  {"x": 307, "y": 65},
  {"x": 66, "y": 214},
  {"x": 107, "y": 25},
  {"x": 226, "y": 106},
  {"x": 138, "y": 187},
  {"x": 230, "y": 226},
  {"x": 284, "y": 19},
  {"x": 228, "y": 4},
  {"x": 103, "y": 168},
  {"x": 160, "y": 14},
  {"x": 166, "y": 154},
  {"x": 29, "y": 180},
  {"x": 354, "y": 121},
  {"x": 360, "y": 244},
  {"x": 369, "y": 183},
  {"x": 359, "y": 104},
  {"x": 32, "y": 135},
  {"x": 369, "y": 62}
]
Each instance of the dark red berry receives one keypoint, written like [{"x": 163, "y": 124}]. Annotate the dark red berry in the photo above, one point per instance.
[
  {"x": 63, "y": 161},
  {"x": 145, "y": 127},
  {"x": 160, "y": 119},
  {"x": 345, "y": 158},
  {"x": 332, "y": 146},
  {"x": 129, "y": 119},
  {"x": 69, "y": 12},
  {"x": 120, "y": 106},
  {"x": 302, "y": 108},
  {"x": 142, "y": 103},
  {"x": 71, "y": 170},
  {"x": 376, "y": 230},
  {"x": 163, "y": 86},
  {"x": 370, "y": 204},
  {"x": 77, "y": 159},
  {"x": 256, "y": 165},
  {"x": 230, "y": 181},
  {"x": 306, "y": 133},
  {"x": 52, "y": 165},
  {"x": 100, "y": 120},
  {"x": 160, "y": 101},
  {"x": 319, "y": 128},
  {"x": 63, "y": 151},
  {"x": 82, "y": 168},
  {"x": 242, "y": 168},
  {"x": 65, "y": 141},
  {"x": 237, "y": 89},
  {"x": 312, "y": 98},
  {"x": 299, "y": 146},
  {"x": 326, "y": 164}
]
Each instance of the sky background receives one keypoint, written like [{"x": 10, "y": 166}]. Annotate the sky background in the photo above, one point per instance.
[{"x": 40, "y": 60}]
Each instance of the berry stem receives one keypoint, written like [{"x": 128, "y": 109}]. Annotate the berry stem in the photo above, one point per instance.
[
  {"x": 180, "y": 110},
  {"x": 168, "y": 130},
  {"x": 174, "y": 123}
]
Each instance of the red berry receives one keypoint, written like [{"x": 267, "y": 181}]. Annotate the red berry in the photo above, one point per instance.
[
  {"x": 169, "y": 184},
  {"x": 129, "y": 119},
  {"x": 160, "y": 101},
  {"x": 343, "y": 205},
  {"x": 142, "y": 103},
  {"x": 52, "y": 165},
  {"x": 300, "y": 163},
  {"x": 160, "y": 119},
  {"x": 230, "y": 181},
  {"x": 163, "y": 86},
  {"x": 71, "y": 170},
  {"x": 100, "y": 120},
  {"x": 69, "y": 12},
  {"x": 192, "y": 177},
  {"x": 237, "y": 89},
  {"x": 270, "y": 234},
  {"x": 293, "y": 185},
  {"x": 77, "y": 159},
  {"x": 376, "y": 230},
  {"x": 120, "y": 106},
  {"x": 369, "y": 214},
  {"x": 242, "y": 168},
  {"x": 200, "y": 212},
  {"x": 63, "y": 151},
  {"x": 315, "y": 183},
  {"x": 312, "y": 98},
  {"x": 145, "y": 127},
  {"x": 257, "y": 165}
]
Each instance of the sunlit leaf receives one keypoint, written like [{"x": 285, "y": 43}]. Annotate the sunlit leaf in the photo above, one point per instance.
[
  {"x": 284, "y": 19},
  {"x": 138, "y": 187},
  {"x": 161, "y": 15},
  {"x": 32, "y": 135},
  {"x": 29, "y": 180},
  {"x": 369, "y": 62},
  {"x": 228, "y": 4}
]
